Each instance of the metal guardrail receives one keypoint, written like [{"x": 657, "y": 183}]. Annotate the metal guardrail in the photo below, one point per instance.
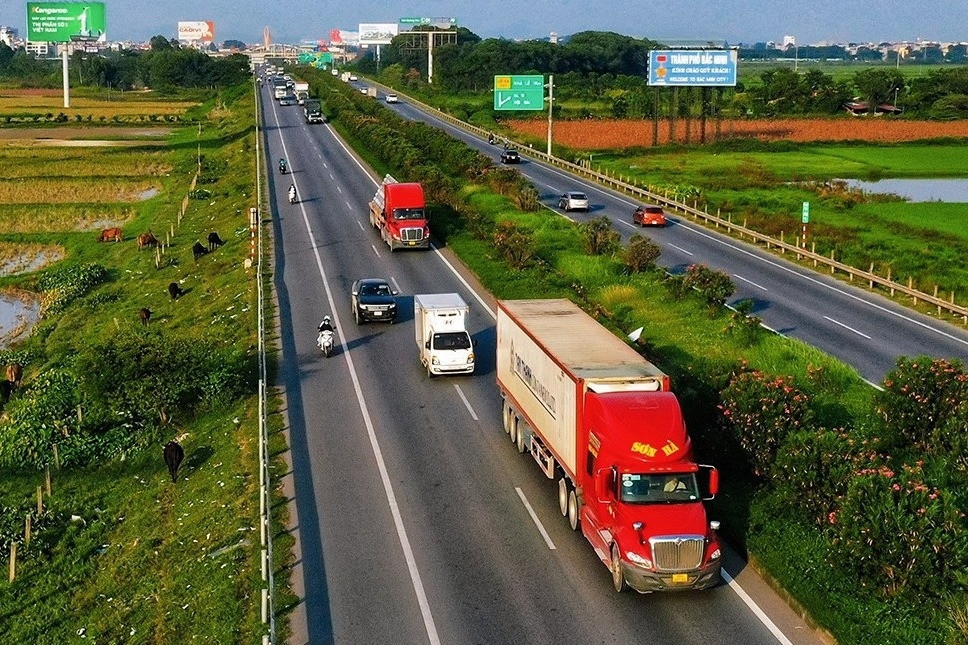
[
  {"x": 716, "y": 221},
  {"x": 265, "y": 490}
]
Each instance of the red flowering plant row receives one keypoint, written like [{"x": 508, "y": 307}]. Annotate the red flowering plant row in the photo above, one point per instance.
[{"x": 891, "y": 494}]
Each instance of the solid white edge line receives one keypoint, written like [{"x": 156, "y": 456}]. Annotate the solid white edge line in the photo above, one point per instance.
[
  {"x": 467, "y": 403},
  {"x": 769, "y": 624},
  {"x": 411, "y": 561},
  {"x": 679, "y": 248},
  {"x": 534, "y": 518}
]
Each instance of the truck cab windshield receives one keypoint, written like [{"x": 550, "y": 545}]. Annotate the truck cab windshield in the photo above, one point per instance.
[
  {"x": 657, "y": 488},
  {"x": 408, "y": 213},
  {"x": 451, "y": 340}
]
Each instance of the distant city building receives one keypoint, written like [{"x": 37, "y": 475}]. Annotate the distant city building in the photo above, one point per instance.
[
  {"x": 553, "y": 37},
  {"x": 788, "y": 42},
  {"x": 8, "y": 36}
]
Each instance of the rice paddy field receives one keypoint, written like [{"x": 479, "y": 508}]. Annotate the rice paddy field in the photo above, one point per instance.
[{"x": 17, "y": 104}]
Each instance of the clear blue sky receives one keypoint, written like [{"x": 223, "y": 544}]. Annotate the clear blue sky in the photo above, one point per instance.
[{"x": 731, "y": 20}]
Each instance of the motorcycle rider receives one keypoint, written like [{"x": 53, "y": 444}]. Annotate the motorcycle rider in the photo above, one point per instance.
[
  {"x": 325, "y": 326},
  {"x": 292, "y": 193}
]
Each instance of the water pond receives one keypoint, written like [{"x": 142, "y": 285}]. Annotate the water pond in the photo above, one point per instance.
[{"x": 953, "y": 191}]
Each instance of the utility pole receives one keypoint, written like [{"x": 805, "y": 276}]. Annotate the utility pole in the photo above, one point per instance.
[{"x": 551, "y": 101}]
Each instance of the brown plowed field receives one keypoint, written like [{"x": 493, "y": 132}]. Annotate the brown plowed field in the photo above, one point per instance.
[{"x": 625, "y": 133}]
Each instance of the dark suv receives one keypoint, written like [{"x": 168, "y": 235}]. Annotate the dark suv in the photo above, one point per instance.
[
  {"x": 373, "y": 299},
  {"x": 510, "y": 156}
]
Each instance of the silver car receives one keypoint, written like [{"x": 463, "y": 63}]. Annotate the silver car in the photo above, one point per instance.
[{"x": 573, "y": 201}]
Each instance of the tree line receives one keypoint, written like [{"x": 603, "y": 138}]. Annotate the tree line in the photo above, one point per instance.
[
  {"x": 604, "y": 68},
  {"x": 165, "y": 66}
]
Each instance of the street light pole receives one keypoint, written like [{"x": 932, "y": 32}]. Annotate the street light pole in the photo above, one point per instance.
[{"x": 551, "y": 99}]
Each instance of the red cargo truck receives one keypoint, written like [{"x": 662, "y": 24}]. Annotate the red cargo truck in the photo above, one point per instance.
[
  {"x": 399, "y": 212},
  {"x": 600, "y": 419}
]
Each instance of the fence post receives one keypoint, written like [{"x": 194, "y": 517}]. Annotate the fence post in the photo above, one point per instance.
[
  {"x": 13, "y": 561},
  {"x": 40, "y": 500},
  {"x": 871, "y": 282},
  {"x": 27, "y": 530}
]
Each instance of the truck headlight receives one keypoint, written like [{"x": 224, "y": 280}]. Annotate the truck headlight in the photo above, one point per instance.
[
  {"x": 435, "y": 360},
  {"x": 715, "y": 555},
  {"x": 639, "y": 560},
  {"x": 470, "y": 357}
]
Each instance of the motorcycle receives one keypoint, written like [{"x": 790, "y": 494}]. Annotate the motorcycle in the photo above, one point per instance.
[
  {"x": 282, "y": 167},
  {"x": 292, "y": 195},
  {"x": 325, "y": 342}
]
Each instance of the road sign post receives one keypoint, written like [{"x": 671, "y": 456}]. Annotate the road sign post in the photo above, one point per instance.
[{"x": 806, "y": 220}]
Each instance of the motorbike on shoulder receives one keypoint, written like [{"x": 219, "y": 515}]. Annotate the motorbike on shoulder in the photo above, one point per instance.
[{"x": 325, "y": 342}]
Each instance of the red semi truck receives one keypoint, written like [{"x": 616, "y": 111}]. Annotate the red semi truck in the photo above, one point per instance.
[
  {"x": 600, "y": 419},
  {"x": 399, "y": 212}
]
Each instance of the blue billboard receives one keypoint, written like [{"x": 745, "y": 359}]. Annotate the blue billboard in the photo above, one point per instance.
[{"x": 692, "y": 67}]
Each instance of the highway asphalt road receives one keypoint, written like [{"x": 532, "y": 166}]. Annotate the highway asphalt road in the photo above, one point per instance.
[
  {"x": 417, "y": 521},
  {"x": 863, "y": 329}
]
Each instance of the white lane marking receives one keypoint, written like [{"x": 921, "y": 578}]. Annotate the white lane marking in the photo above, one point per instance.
[
  {"x": 360, "y": 224},
  {"x": 375, "y": 252},
  {"x": 467, "y": 403},
  {"x": 834, "y": 288},
  {"x": 837, "y": 322},
  {"x": 339, "y": 188},
  {"x": 411, "y": 561},
  {"x": 758, "y": 286},
  {"x": 629, "y": 224},
  {"x": 395, "y": 285},
  {"x": 755, "y": 609},
  {"x": 348, "y": 205},
  {"x": 534, "y": 518},
  {"x": 679, "y": 248}
]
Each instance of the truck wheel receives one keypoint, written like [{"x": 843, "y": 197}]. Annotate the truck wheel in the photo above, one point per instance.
[
  {"x": 563, "y": 489},
  {"x": 513, "y": 429},
  {"x": 508, "y": 418},
  {"x": 356, "y": 315},
  {"x": 519, "y": 440},
  {"x": 615, "y": 566},
  {"x": 573, "y": 518}
]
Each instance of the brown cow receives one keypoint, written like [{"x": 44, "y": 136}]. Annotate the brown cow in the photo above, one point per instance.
[
  {"x": 109, "y": 234},
  {"x": 145, "y": 315},
  {"x": 146, "y": 239},
  {"x": 15, "y": 372}
]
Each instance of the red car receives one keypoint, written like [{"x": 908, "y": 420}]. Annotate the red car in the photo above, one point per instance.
[{"x": 649, "y": 216}]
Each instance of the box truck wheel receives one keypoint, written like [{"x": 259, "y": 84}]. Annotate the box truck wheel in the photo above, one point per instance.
[
  {"x": 519, "y": 440},
  {"x": 573, "y": 517},
  {"x": 563, "y": 489},
  {"x": 513, "y": 430},
  {"x": 618, "y": 578}
]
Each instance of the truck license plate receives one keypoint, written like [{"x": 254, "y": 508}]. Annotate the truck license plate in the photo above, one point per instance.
[
  {"x": 680, "y": 578},
  {"x": 411, "y": 243},
  {"x": 377, "y": 313}
]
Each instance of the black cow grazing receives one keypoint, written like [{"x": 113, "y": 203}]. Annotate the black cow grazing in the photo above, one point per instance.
[
  {"x": 6, "y": 389},
  {"x": 214, "y": 241},
  {"x": 145, "y": 316},
  {"x": 198, "y": 251},
  {"x": 174, "y": 290},
  {"x": 174, "y": 454}
]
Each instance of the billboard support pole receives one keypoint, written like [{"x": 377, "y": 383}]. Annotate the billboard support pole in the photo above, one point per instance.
[{"x": 67, "y": 90}]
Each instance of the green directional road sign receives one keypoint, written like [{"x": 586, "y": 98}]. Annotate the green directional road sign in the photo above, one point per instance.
[{"x": 519, "y": 92}]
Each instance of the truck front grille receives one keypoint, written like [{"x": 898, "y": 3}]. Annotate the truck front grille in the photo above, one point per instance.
[
  {"x": 411, "y": 234},
  {"x": 678, "y": 553}
]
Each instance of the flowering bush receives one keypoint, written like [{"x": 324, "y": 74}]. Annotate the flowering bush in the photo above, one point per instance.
[
  {"x": 714, "y": 286},
  {"x": 599, "y": 237},
  {"x": 760, "y": 411},
  {"x": 901, "y": 533},
  {"x": 641, "y": 254},
  {"x": 921, "y": 396},
  {"x": 515, "y": 244},
  {"x": 814, "y": 467}
]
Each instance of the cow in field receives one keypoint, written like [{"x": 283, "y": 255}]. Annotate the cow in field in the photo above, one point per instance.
[
  {"x": 214, "y": 241},
  {"x": 173, "y": 454},
  {"x": 109, "y": 234},
  {"x": 145, "y": 316},
  {"x": 198, "y": 250},
  {"x": 174, "y": 290},
  {"x": 15, "y": 372},
  {"x": 6, "y": 389},
  {"x": 146, "y": 240}
]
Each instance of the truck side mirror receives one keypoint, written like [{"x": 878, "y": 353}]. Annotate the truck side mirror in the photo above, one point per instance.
[
  {"x": 713, "y": 481},
  {"x": 603, "y": 484},
  {"x": 427, "y": 345}
]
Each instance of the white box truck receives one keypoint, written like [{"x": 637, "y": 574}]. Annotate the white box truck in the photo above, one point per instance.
[
  {"x": 302, "y": 92},
  {"x": 439, "y": 328}
]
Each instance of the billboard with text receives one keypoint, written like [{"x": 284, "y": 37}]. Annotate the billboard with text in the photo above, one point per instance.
[
  {"x": 198, "y": 31},
  {"x": 60, "y": 22},
  {"x": 692, "y": 67},
  {"x": 377, "y": 33}
]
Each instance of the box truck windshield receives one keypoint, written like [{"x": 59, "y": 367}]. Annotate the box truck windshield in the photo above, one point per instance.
[{"x": 451, "y": 340}]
